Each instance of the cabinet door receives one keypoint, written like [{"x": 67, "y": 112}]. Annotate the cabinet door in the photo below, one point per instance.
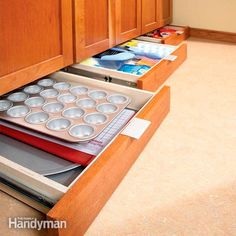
[
  {"x": 91, "y": 26},
  {"x": 35, "y": 40},
  {"x": 128, "y": 19},
  {"x": 151, "y": 15},
  {"x": 166, "y": 11}
]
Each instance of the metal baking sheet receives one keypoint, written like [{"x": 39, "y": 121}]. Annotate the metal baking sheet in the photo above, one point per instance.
[
  {"x": 67, "y": 177},
  {"x": 68, "y": 111},
  {"x": 33, "y": 158}
]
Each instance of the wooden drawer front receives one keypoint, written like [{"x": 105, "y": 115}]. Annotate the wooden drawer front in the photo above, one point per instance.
[
  {"x": 160, "y": 73},
  {"x": 81, "y": 204},
  {"x": 173, "y": 39}
]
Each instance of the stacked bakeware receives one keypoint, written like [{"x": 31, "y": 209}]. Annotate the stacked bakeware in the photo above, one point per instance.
[{"x": 68, "y": 111}]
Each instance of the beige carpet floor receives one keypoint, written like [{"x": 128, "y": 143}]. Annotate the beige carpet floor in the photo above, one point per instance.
[{"x": 184, "y": 182}]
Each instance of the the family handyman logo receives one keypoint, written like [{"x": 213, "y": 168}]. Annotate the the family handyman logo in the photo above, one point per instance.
[{"x": 33, "y": 223}]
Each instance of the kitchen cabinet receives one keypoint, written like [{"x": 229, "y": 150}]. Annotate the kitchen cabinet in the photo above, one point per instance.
[
  {"x": 67, "y": 32},
  {"x": 91, "y": 28},
  {"x": 134, "y": 17},
  {"x": 36, "y": 39},
  {"x": 127, "y": 19}
]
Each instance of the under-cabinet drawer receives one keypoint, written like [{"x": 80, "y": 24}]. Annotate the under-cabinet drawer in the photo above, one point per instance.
[
  {"x": 80, "y": 202},
  {"x": 151, "y": 80},
  {"x": 179, "y": 34}
]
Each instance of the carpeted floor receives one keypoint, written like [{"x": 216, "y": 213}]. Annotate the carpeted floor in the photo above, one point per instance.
[{"x": 184, "y": 182}]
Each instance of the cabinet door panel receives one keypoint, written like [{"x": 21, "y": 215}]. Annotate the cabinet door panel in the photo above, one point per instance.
[
  {"x": 166, "y": 11},
  {"x": 36, "y": 39},
  {"x": 128, "y": 19},
  {"x": 151, "y": 15},
  {"x": 91, "y": 26}
]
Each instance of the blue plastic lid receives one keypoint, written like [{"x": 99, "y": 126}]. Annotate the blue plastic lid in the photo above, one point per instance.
[{"x": 124, "y": 56}]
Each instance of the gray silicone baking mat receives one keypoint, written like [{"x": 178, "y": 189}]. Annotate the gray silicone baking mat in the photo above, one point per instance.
[
  {"x": 32, "y": 158},
  {"x": 67, "y": 177}
]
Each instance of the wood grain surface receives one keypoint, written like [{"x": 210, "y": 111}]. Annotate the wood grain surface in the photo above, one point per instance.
[
  {"x": 128, "y": 19},
  {"x": 91, "y": 28},
  {"x": 153, "y": 79},
  {"x": 36, "y": 39},
  {"x": 213, "y": 35}
]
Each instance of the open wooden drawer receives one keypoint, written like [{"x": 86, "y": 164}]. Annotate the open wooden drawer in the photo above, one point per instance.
[
  {"x": 81, "y": 201},
  {"x": 151, "y": 80},
  {"x": 181, "y": 34}
]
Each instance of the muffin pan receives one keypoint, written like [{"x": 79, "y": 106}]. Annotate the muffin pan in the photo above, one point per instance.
[{"x": 69, "y": 111}]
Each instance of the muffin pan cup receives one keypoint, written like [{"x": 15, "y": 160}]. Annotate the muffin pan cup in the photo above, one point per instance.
[
  {"x": 47, "y": 82},
  {"x": 79, "y": 90},
  {"x": 17, "y": 97},
  {"x": 18, "y": 111},
  {"x": 49, "y": 93},
  {"x": 5, "y": 105},
  {"x": 88, "y": 111},
  {"x": 73, "y": 113},
  {"x": 37, "y": 117},
  {"x": 35, "y": 102},
  {"x": 83, "y": 131},
  {"x": 32, "y": 89},
  {"x": 107, "y": 108}
]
